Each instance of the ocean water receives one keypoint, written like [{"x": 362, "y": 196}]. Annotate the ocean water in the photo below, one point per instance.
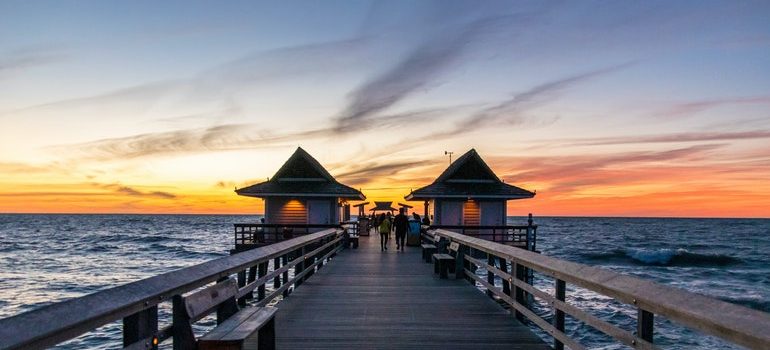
[{"x": 49, "y": 258}]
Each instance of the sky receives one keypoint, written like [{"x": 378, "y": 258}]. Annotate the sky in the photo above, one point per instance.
[{"x": 605, "y": 108}]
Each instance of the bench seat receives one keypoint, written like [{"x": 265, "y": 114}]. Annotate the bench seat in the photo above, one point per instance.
[
  {"x": 427, "y": 251},
  {"x": 442, "y": 264},
  {"x": 249, "y": 328}
]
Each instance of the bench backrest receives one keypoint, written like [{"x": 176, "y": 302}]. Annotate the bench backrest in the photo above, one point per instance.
[{"x": 204, "y": 301}]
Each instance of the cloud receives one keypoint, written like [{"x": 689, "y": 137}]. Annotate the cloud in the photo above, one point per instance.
[
  {"x": 133, "y": 192},
  {"x": 567, "y": 173},
  {"x": 513, "y": 110},
  {"x": 457, "y": 28},
  {"x": 689, "y": 108},
  {"x": 675, "y": 137},
  {"x": 361, "y": 173},
  {"x": 27, "y": 58}
]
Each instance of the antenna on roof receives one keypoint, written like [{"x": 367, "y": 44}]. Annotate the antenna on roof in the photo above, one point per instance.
[{"x": 450, "y": 156}]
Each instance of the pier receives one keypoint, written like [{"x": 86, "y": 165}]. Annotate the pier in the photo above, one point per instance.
[
  {"x": 365, "y": 298},
  {"x": 392, "y": 300}
]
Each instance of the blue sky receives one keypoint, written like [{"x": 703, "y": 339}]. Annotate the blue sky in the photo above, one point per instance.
[{"x": 141, "y": 93}]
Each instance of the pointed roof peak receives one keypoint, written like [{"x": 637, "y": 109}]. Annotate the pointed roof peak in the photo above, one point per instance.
[
  {"x": 301, "y": 175},
  {"x": 469, "y": 166},
  {"x": 302, "y": 165},
  {"x": 469, "y": 177}
]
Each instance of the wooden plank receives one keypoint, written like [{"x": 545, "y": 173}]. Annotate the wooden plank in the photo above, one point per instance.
[
  {"x": 734, "y": 323},
  {"x": 253, "y": 323},
  {"x": 370, "y": 299},
  {"x": 202, "y": 302},
  {"x": 220, "y": 331}
]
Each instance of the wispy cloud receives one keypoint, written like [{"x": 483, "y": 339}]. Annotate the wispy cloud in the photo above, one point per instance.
[
  {"x": 366, "y": 172},
  {"x": 133, "y": 192},
  {"x": 690, "y": 108},
  {"x": 675, "y": 137},
  {"x": 431, "y": 57},
  {"x": 567, "y": 173},
  {"x": 27, "y": 58}
]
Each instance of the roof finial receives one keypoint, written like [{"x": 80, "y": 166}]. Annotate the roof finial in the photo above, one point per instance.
[{"x": 450, "y": 156}]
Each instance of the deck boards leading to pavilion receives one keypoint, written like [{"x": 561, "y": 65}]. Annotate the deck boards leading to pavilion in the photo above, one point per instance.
[{"x": 367, "y": 299}]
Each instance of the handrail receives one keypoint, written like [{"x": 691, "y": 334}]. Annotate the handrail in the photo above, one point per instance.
[
  {"x": 734, "y": 323},
  {"x": 68, "y": 319}
]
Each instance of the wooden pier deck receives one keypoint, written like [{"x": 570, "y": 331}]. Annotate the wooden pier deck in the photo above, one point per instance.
[{"x": 367, "y": 299}]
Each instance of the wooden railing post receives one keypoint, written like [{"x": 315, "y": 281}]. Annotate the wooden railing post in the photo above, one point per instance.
[
  {"x": 490, "y": 275},
  {"x": 285, "y": 259},
  {"x": 460, "y": 262},
  {"x": 300, "y": 266},
  {"x": 252, "y": 278},
  {"x": 277, "y": 278},
  {"x": 262, "y": 272},
  {"x": 644, "y": 324},
  {"x": 558, "y": 315},
  {"x": 183, "y": 336},
  {"x": 141, "y": 326},
  {"x": 518, "y": 271},
  {"x": 504, "y": 268},
  {"x": 321, "y": 254},
  {"x": 241, "y": 277},
  {"x": 530, "y": 243},
  {"x": 309, "y": 263}
]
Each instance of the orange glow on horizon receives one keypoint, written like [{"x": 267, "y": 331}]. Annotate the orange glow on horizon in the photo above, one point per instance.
[{"x": 566, "y": 186}]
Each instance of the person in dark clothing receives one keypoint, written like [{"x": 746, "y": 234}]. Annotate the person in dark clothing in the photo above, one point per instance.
[
  {"x": 426, "y": 220},
  {"x": 401, "y": 225}
]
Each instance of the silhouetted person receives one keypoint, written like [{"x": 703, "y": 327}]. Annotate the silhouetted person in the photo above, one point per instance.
[
  {"x": 401, "y": 225},
  {"x": 426, "y": 220},
  {"x": 416, "y": 217},
  {"x": 384, "y": 228}
]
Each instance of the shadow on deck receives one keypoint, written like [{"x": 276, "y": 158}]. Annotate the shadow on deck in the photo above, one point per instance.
[{"x": 375, "y": 300}]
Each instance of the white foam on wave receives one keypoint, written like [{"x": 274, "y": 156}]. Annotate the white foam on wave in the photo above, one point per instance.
[{"x": 657, "y": 256}]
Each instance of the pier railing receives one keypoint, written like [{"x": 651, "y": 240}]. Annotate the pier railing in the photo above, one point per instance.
[
  {"x": 249, "y": 236},
  {"x": 734, "y": 323},
  {"x": 136, "y": 304},
  {"x": 522, "y": 236}
]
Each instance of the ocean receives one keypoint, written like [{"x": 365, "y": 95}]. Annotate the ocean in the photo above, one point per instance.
[{"x": 48, "y": 258}]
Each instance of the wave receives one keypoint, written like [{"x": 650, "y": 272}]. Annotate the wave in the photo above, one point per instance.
[{"x": 664, "y": 257}]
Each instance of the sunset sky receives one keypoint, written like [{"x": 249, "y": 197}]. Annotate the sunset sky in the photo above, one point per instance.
[{"x": 609, "y": 108}]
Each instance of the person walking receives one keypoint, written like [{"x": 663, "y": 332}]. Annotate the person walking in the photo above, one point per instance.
[
  {"x": 401, "y": 225},
  {"x": 384, "y": 228}
]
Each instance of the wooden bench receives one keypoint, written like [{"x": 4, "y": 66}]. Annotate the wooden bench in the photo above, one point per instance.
[
  {"x": 429, "y": 249},
  {"x": 353, "y": 241},
  {"x": 250, "y": 327},
  {"x": 444, "y": 263}
]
